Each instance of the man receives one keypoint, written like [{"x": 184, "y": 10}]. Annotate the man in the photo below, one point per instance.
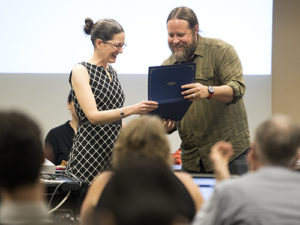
[
  {"x": 268, "y": 196},
  {"x": 59, "y": 140},
  {"x": 21, "y": 156},
  {"x": 218, "y": 111}
]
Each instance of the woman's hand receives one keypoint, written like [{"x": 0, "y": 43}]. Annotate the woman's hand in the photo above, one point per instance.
[{"x": 145, "y": 107}]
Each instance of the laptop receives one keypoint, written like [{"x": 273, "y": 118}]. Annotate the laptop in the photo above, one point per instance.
[{"x": 206, "y": 184}]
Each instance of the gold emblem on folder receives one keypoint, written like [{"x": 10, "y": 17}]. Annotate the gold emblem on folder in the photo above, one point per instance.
[{"x": 171, "y": 83}]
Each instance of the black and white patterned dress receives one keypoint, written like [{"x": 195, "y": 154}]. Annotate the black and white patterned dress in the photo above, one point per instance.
[{"x": 93, "y": 144}]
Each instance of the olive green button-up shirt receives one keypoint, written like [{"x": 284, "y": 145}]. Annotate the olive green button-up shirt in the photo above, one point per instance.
[{"x": 209, "y": 121}]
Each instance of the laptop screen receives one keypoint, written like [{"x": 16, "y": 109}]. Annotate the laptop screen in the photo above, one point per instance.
[{"x": 206, "y": 184}]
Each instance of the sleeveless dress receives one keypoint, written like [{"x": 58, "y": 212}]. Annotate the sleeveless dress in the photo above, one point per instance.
[{"x": 93, "y": 144}]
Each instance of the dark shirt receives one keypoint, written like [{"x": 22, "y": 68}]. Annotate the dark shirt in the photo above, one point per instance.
[{"x": 60, "y": 139}]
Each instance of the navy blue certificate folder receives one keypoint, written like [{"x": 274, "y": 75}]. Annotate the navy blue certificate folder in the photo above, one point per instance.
[{"x": 164, "y": 86}]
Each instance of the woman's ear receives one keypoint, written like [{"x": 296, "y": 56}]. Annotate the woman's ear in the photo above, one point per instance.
[{"x": 98, "y": 42}]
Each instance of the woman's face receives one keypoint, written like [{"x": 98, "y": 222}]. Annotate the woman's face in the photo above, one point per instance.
[{"x": 114, "y": 47}]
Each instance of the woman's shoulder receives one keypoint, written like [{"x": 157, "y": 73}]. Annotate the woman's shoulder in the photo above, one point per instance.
[
  {"x": 79, "y": 72},
  {"x": 79, "y": 67},
  {"x": 183, "y": 176},
  {"x": 97, "y": 186},
  {"x": 191, "y": 187},
  {"x": 103, "y": 177}
]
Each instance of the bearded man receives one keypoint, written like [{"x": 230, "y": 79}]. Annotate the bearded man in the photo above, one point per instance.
[{"x": 218, "y": 111}]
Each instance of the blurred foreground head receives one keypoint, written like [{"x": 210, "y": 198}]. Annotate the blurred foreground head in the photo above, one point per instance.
[
  {"x": 145, "y": 137},
  {"x": 143, "y": 191},
  {"x": 277, "y": 141},
  {"x": 21, "y": 151}
]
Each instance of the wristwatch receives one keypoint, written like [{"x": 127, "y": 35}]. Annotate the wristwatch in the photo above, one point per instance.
[
  {"x": 211, "y": 91},
  {"x": 122, "y": 114}
]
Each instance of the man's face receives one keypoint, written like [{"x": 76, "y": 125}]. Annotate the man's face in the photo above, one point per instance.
[{"x": 181, "y": 39}]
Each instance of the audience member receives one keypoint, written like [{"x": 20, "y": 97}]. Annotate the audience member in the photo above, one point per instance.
[
  {"x": 268, "y": 195},
  {"x": 21, "y": 156},
  {"x": 142, "y": 191},
  {"x": 143, "y": 138},
  {"x": 59, "y": 140}
]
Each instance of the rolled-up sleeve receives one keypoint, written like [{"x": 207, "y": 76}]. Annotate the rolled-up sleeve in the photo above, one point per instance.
[{"x": 231, "y": 72}]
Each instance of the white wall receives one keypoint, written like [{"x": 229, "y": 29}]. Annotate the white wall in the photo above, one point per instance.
[
  {"x": 46, "y": 36},
  {"x": 44, "y": 97},
  {"x": 45, "y": 39}
]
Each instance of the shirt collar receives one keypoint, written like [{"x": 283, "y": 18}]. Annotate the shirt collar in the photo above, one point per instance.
[{"x": 199, "y": 51}]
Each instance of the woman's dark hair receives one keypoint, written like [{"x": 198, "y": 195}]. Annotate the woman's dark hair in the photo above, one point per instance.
[
  {"x": 142, "y": 191},
  {"x": 184, "y": 13},
  {"x": 103, "y": 29}
]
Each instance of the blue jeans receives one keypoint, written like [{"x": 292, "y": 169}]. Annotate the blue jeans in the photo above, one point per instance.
[{"x": 238, "y": 166}]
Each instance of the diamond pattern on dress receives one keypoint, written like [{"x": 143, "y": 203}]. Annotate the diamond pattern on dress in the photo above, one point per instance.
[{"x": 93, "y": 144}]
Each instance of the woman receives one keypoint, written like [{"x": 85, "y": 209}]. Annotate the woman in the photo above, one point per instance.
[
  {"x": 144, "y": 137},
  {"x": 145, "y": 192},
  {"x": 99, "y": 99}
]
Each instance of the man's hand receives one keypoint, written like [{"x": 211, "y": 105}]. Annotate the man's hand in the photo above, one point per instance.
[
  {"x": 195, "y": 91},
  {"x": 220, "y": 154},
  {"x": 169, "y": 125}
]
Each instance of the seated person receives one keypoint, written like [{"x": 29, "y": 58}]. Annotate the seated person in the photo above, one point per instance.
[
  {"x": 142, "y": 191},
  {"x": 21, "y": 157},
  {"x": 143, "y": 137},
  {"x": 267, "y": 195},
  {"x": 59, "y": 140}
]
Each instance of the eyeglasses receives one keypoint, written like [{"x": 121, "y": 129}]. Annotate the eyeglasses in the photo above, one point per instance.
[{"x": 117, "y": 46}]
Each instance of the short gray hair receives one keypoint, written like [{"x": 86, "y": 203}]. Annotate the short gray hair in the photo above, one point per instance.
[{"x": 278, "y": 140}]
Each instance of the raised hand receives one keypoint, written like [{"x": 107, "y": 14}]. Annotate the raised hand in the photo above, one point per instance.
[{"x": 220, "y": 154}]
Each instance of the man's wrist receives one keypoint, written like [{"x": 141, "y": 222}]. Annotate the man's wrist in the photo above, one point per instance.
[{"x": 211, "y": 91}]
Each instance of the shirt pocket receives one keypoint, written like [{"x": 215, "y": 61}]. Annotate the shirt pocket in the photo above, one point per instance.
[{"x": 205, "y": 76}]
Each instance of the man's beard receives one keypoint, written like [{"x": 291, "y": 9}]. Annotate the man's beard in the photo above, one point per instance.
[{"x": 187, "y": 52}]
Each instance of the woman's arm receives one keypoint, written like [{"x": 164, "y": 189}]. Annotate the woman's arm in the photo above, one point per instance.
[
  {"x": 192, "y": 188},
  {"x": 92, "y": 197},
  {"x": 85, "y": 97}
]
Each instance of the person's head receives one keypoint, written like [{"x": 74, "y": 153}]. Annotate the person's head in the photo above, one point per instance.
[
  {"x": 183, "y": 27},
  {"x": 277, "y": 141},
  {"x": 71, "y": 105},
  {"x": 21, "y": 151},
  {"x": 145, "y": 137},
  {"x": 107, "y": 36},
  {"x": 141, "y": 191}
]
